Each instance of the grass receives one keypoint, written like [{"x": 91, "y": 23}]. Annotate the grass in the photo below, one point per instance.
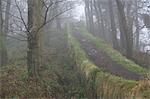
[
  {"x": 54, "y": 82},
  {"x": 115, "y": 55},
  {"x": 14, "y": 83},
  {"x": 105, "y": 85}
]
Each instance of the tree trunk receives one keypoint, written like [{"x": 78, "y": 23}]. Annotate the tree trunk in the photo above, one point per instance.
[
  {"x": 89, "y": 15},
  {"x": 127, "y": 32},
  {"x": 98, "y": 18},
  {"x": 122, "y": 31},
  {"x": 130, "y": 18},
  {"x": 33, "y": 57},
  {"x": 91, "y": 18},
  {"x": 102, "y": 20},
  {"x": 1, "y": 43},
  {"x": 113, "y": 26},
  {"x": 87, "y": 18},
  {"x": 137, "y": 27},
  {"x": 58, "y": 21},
  {"x": 34, "y": 37},
  {"x": 3, "y": 58}
]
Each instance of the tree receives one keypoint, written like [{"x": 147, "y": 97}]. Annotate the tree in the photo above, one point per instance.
[
  {"x": 58, "y": 23},
  {"x": 3, "y": 58},
  {"x": 99, "y": 17},
  {"x": 1, "y": 43},
  {"x": 102, "y": 20},
  {"x": 34, "y": 37},
  {"x": 137, "y": 25},
  {"x": 6, "y": 29},
  {"x": 38, "y": 11},
  {"x": 126, "y": 30},
  {"x": 113, "y": 26},
  {"x": 89, "y": 15}
]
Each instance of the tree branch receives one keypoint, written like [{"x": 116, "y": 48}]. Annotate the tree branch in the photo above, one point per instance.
[{"x": 45, "y": 23}]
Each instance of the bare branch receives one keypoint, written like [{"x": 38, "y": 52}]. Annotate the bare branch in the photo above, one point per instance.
[
  {"x": 45, "y": 23},
  {"x": 28, "y": 32}
]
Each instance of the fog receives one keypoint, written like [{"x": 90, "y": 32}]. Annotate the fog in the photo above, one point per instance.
[{"x": 74, "y": 49}]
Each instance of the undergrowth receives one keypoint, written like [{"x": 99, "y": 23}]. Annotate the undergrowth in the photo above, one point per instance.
[
  {"x": 54, "y": 82},
  {"x": 58, "y": 77}
]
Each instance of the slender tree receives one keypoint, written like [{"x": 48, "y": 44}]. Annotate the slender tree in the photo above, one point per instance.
[
  {"x": 1, "y": 43},
  {"x": 6, "y": 27},
  {"x": 113, "y": 25},
  {"x": 137, "y": 26},
  {"x": 3, "y": 58},
  {"x": 89, "y": 15},
  {"x": 102, "y": 20},
  {"x": 58, "y": 21}
]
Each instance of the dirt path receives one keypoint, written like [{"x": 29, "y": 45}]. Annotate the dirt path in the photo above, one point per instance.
[{"x": 102, "y": 60}]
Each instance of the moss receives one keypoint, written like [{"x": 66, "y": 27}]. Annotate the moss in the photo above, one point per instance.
[
  {"x": 105, "y": 84},
  {"x": 115, "y": 55}
]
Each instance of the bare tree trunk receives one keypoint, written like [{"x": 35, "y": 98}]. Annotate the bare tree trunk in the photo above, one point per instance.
[
  {"x": 87, "y": 18},
  {"x": 137, "y": 27},
  {"x": 102, "y": 20},
  {"x": 87, "y": 11},
  {"x": 3, "y": 60},
  {"x": 97, "y": 17},
  {"x": 89, "y": 15},
  {"x": 122, "y": 32},
  {"x": 58, "y": 23},
  {"x": 130, "y": 18},
  {"x": 126, "y": 31},
  {"x": 113, "y": 26},
  {"x": 34, "y": 38},
  {"x": 5, "y": 56},
  {"x": 1, "y": 42}
]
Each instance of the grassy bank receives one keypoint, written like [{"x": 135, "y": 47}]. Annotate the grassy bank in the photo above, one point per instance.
[
  {"x": 115, "y": 55},
  {"x": 104, "y": 84}
]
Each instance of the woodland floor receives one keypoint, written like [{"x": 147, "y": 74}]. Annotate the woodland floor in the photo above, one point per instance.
[{"x": 102, "y": 60}]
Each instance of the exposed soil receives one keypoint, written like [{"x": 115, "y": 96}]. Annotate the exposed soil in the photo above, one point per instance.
[{"x": 102, "y": 60}]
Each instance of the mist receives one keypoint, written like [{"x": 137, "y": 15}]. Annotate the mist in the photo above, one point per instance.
[{"x": 74, "y": 49}]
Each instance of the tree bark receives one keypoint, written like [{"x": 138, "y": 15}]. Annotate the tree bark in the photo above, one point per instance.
[
  {"x": 113, "y": 26},
  {"x": 98, "y": 18},
  {"x": 102, "y": 20},
  {"x": 34, "y": 37},
  {"x": 58, "y": 21},
  {"x": 5, "y": 33},
  {"x": 137, "y": 26},
  {"x": 1, "y": 43},
  {"x": 127, "y": 32},
  {"x": 89, "y": 15},
  {"x": 3, "y": 58}
]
